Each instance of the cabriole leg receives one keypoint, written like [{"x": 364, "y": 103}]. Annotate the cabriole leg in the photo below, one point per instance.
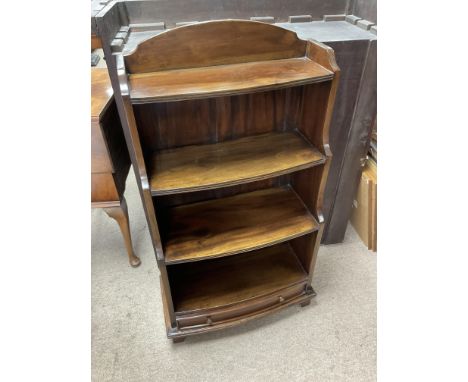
[{"x": 120, "y": 214}]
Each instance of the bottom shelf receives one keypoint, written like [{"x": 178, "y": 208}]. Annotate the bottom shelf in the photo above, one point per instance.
[{"x": 226, "y": 281}]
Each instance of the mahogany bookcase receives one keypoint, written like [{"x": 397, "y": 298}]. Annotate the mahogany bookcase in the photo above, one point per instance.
[{"x": 227, "y": 126}]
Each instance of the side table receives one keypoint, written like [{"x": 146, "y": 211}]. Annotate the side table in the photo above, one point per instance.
[{"x": 110, "y": 161}]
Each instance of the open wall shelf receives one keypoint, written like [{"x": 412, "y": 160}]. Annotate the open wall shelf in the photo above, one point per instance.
[{"x": 228, "y": 126}]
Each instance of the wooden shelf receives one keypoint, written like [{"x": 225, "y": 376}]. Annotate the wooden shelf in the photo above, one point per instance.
[
  {"x": 228, "y": 259},
  {"x": 235, "y": 224},
  {"x": 226, "y": 281},
  {"x": 183, "y": 84},
  {"x": 194, "y": 168}
]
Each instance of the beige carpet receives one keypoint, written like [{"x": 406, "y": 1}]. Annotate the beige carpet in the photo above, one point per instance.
[{"x": 333, "y": 339}]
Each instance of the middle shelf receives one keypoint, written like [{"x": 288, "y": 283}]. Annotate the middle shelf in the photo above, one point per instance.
[
  {"x": 203, "y": 167},
  {"x": 234, "y": 224}
]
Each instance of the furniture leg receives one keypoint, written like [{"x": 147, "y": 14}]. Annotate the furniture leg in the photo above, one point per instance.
[
  {"x": 305, "y": 303},
  {"x": 120, "y": 214},
  {"x": 178, "y": 340}
]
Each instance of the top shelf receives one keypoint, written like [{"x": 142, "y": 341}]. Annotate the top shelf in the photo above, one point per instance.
[{"x": 222, "y": 80}]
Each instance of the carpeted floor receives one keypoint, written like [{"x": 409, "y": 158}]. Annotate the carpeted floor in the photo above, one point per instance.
[{"x": 332, "y": 339}]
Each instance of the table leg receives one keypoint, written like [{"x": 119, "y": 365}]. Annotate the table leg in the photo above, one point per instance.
[{"x": 120, "y": 214}]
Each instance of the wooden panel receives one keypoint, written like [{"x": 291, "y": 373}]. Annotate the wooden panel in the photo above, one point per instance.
[
  {"x": 307, "y": 184},
  {"x": 357, "y": 145},
  {"x": 213, "y": 317},
  {"x": 101, "y": 92},
  {"x": 174, "y": 124},
  {"x": 221, "y": 282},
  {"x": 201, "y": 121},
  {"x": 214, "y": 43},
  {"x": 243, "y": 160},
  {"x": 366, "y": 9},
  {"x": 103, "y": 188},
  {"x": 95, "y": 42},
  {"x": 236, "y": 224},
  {"x": 173, "y": 200},
  {"x": 171, "y": 85},
  {"x": 100, "y": 157},
  {"x": 112, "y": 131},
  {"x": 173, "y": 11},
  {"x": 264, "y": 113},
  {"x": 351, "y": 57},
  {"x": 315, "y": 100}
]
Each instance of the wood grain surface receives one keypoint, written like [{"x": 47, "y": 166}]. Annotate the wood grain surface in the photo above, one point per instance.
[
  {"x": 103, "y": 188},
  {"x": 223, "y": 225},
  {"x": 226, "y": 281},
  {"x": 236, "y": 224},
  {"x": 101, "y": 91},
  {"x": 171, "y": 85},
  {"x": 238, "y": 161},
  {"x": 165, "y": 125},
  {"x": 214, "y": 43}
]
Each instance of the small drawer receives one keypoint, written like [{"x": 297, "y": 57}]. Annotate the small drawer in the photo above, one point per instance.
[{"x": 243, "y": 309}]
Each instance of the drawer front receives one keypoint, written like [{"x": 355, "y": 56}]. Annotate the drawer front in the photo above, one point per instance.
[
  {"x": 103, "y": 188},
  {"x": 100, "y": 158},
  {"x": 244, "y": 309}
]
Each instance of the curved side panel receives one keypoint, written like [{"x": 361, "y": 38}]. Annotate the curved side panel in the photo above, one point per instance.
[
  {"x": 214, "y": 43},
  {"x": 325, "y": 56}
]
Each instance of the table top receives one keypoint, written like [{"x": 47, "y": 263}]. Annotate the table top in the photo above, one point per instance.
[{"x": 101, "y": 91}]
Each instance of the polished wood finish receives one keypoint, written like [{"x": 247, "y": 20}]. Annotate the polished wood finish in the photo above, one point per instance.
[
  {"x": 109, "y": 157},
  {"x": 103, "y": 188},
  {"x": 169, "y": 125},
  {"x": 182, "y": 84},
  {"x": 352, "y": 47},
  {"x": 218, "y": 166},
  {"x": 223, "y": 282},
  {"x": 227, "y": 292},
  {"x": 120, "y": 214},
  {"x": 242, "y": 313},
  {"x": 236, "y": 224},
  {"x": 101, "y": 92},
  {"x": 214, "y": 43},
  {"x": 202, "y": 167}
]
